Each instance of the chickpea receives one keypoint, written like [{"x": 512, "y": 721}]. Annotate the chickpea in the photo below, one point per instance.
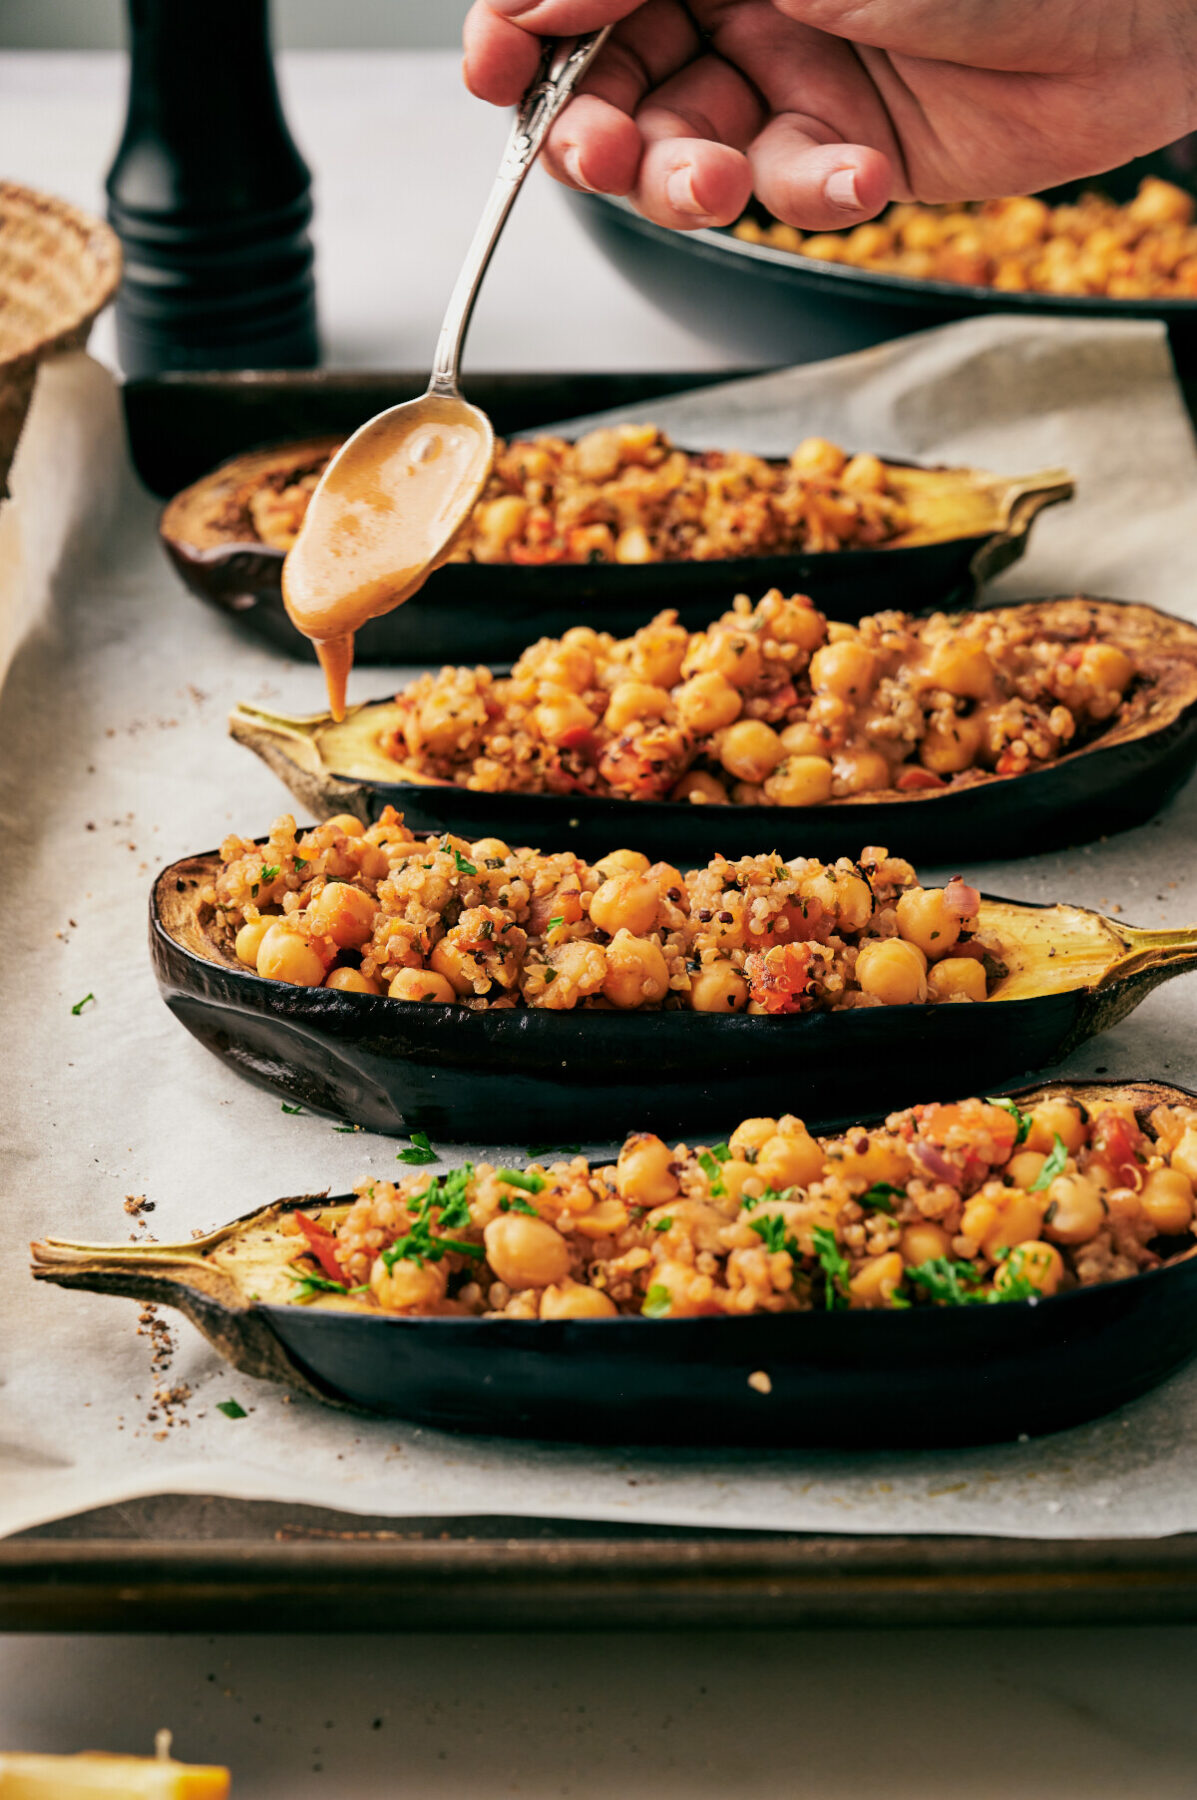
[
  {"x": 501, "y": 520},
  {"x": 1166, "y": 1198},
  {"x": 923, "y": 1242},
  {"x": 573, "y": 1300},
  {"x": 947, "y": 749},
  {"x": 735, "y": 1176},
  {"x": 795, "y": 621},
  {"x": 556, "y": 718},
  {"x": 420, "y": 984},
  {"x": 962, "y": 668},
  {"x": 657, "y": 653},
  {"x": 1025, "y": 1168},
  {"x": 452, "y": 963},
  {"x": 634, "y": 546},
  {"x": 1019, "y": 1216},
  {"x": 1185, "y": 1154},
  {"x": 1160, "y": 203},
  {"x": 617, "y": 861},
  {"x": 488, "y": 850},
  {"x": 893, "y": 971},
  {"x": 751, "y": 1136},
  {"x": 700, "y": 789},
  {"x": 923, "y": 919},
  {"x": 815, "y": 455},
  {"x": 645, "y": 1173},
  {"x": 746, "y": 793},
  {"x": 409, "y": 1286},
  {"x": 750, "y": 750},
  {"x": 864, "y": 474},
  {"x": 791, "y": 1159},
  {"x": 1105, "y": 666},
  {"x": 351, "y": 981},
  {"x": 800, "y": 781},
  {"x": 633, "y": 700},
  {"x": 878, "y": 1161},
  {"x": 861, "y": 772},
  {"x": 567, "y": 666},
  {"x": 526, "y": 1252},
  {"x": 343, "y": 913},
  {"x": 874, "y": 1282},
  {"x": 847, "y": 670},
  {"x": 852, "y": 899},
  {"x": 730, "y": 653},
  {"x": 637, "y": 974},
  {"x": 718, "y": 987},
  {"x": 348, "y": 824},
  {"x": 283, "y": 955},
  {"x": 803, "y": 740},
  {"x": 581, "y": 969},
  {"x": 248, "y": 941},
  {"x": 707, "y": 703},
  {"x": 1075, "y": 1212},
  {"x": 626, "y": 902},
  {"x": 957, "y": 975},
  {"x": 1040, "y": 1264},
  {"x": 1053, "y": 1119}
]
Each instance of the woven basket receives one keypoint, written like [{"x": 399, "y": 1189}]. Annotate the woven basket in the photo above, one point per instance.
[{"x": 58, "y": 269}]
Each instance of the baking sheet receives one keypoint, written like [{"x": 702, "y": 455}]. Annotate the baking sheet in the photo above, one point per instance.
[{"x": 114, "y": 760}]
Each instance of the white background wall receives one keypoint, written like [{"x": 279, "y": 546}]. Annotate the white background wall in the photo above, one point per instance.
[{"x": 298, "y": 24}]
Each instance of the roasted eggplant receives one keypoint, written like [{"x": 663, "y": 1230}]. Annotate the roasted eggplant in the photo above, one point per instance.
[
  {"x": 1114, "y": 781},
  {"x": 929, "y": 1376},
  {"x": 395, "y": 1065},
  {"x": 974, "y": 525}
]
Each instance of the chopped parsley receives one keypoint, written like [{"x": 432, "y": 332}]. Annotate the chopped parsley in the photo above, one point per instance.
[
  {"x": 517, "y": 1204},
  {"x": 835, "y": 1266},
  {"x": 708, "y": 1162},
  {"x": 300, "y": 862},
  {"x": 1021, "y": 1119},
  {"x": 517, "y": 1178},
  {"x": 559, "y": 920},
  {"x": 293, "y": 1110},
  {"x": 882, "y": 1195},
  {"x": 308, "y": 1286},
  {"x": 1015, "y": 1285},
  {"x": 949, "y": 1282},
  {"x": 269, "y": 872},
  {"x": 418, "y": 1152},
  {"x": 447, "y": 1194},
  {"x": 662, "y": 1224},
  {"x": 1054, "y": 1165},
  {"x": 771, "y": 1229},
  {"x": 346, "y": 1128},
  {"x": 231, "y": 1409},
  {"x": 87, "y": 1000},
  {"x": 657, "y": 1301},
  {"x": 462, "y": 865},
  {"x": 751, "y": 1200}
]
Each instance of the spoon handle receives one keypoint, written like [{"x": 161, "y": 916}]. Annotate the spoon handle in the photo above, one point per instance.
[{"x": 562, "y": 66}]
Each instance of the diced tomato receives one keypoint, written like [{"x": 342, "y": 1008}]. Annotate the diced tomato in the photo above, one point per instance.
[
  {"x": 1116, "y": 1143},
  {"x": 778, "y": 978},
  {"x": 322, "y": 1244},
  {"x": 1009, "y": 764},
  {"x": 799, "y": 923},
  {"x": 580, "y": 738},
  {"x": 913, "y": 781}
]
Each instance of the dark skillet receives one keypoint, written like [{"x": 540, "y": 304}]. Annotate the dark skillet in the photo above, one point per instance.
[
  {"x": 776, "y": 307},
  {"x": 460, "y": 1073},
  {"x": 865, "y": 1380},
  {"x": 1120, "y": 779},
  {"x": 496, "y": 610}
]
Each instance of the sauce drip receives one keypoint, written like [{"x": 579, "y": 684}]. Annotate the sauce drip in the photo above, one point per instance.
[{"x": 382, "y": 519}]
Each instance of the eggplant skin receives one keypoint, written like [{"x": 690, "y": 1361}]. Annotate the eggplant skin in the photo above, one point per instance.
[
  {"x": 862, "y": 1380},
  {"x": 491, "y": 612},
  {"x": 1118, "y": 781},
  {"x": 395, "y": 1066}
]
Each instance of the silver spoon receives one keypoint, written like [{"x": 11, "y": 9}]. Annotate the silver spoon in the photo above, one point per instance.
[{"x": 391, "y": 501}]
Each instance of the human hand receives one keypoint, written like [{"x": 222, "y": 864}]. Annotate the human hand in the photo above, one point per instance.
[{"x": 828, "y": 109}]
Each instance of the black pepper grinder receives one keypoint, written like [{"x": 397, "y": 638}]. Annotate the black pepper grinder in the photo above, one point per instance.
[{"x": 210, "y": 198}]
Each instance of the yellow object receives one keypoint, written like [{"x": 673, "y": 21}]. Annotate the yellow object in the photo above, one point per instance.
[{"x": 66, "y": 1777}]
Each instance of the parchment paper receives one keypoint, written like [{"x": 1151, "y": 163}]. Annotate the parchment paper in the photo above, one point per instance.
[{"x": 114, "y": 760}]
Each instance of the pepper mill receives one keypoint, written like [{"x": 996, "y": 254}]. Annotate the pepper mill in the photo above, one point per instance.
[{"x": 210, "y": 197}]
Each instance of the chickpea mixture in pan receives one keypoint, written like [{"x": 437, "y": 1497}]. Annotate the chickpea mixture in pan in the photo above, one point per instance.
[
  {"x": 625, "y": 494},
  {"x": 380, "y": 911},
  {"x": 1144, "y": 250},
  {"x": 951, "y": 1205},
  {"x": 772, "y": 705}
]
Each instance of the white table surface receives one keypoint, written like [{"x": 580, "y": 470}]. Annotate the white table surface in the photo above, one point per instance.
[{"x": 1013, "y": 1715}]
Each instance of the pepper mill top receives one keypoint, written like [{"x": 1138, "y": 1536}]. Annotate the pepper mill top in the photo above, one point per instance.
[{"x": 210, "y": 197}]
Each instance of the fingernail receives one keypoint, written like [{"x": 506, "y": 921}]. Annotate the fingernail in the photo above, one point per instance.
[
  {"x": 679, "y": 191},
  {"x": 840, "y": 189},
  {"x": 571, "y": 162}
]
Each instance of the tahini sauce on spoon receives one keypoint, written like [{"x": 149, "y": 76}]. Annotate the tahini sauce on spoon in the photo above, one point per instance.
[{"x": 383, "y": 517}]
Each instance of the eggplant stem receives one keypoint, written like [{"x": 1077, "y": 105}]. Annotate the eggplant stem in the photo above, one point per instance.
[
  {"x": 1170, "y": 950},
  {"x": 306, "y": 727}
]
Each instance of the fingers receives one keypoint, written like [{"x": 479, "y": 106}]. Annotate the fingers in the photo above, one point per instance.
[
  {"x": 563, "y": 18},
  {"x": 816, "y": 185},
  {"x": 594, "y": 146},
  {"x": 499, "y": 60},
  {"x": 696, "y": 127}
]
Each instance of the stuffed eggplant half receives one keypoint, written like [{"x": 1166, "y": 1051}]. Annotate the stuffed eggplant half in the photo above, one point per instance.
[
  {"x": 617, "y": 524},
  {"x": 399, "y": 981},
  {"x": 969, "y": 736},
  {"x": 955, "y": 1272}
]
